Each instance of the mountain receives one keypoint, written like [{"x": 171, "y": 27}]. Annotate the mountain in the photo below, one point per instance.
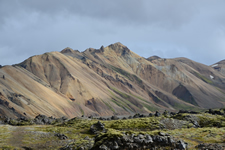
[
  {"x": 220, "y": 67},
  {"x": 107, "y": 81}
]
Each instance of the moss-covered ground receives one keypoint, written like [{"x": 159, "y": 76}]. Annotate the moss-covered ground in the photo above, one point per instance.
[{"x": 211, "y": 130}]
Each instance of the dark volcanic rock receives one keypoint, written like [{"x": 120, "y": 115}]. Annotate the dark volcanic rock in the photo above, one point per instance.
[
  {"x": 114, "y": 118},
  {"x": 150, "y": 115},
  {"x": 157, "y": 114},
  {"x": 139, "y": 142},
  {"x": 215, "y": 112},
  {"x": 204, "y": 146},
  {"x": 97, "y": 128},
  {"x": 61, "y": 136}
]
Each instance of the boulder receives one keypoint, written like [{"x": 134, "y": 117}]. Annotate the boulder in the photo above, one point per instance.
[
  {"x": 157, "y": 114},
  {"x": 61, "y": 136},
  {"x": 181, "y": 145},
  {"x": 97, "y": 128},
  {"x": 114, "y": 118},
  {"x": 150, "y": 115}
]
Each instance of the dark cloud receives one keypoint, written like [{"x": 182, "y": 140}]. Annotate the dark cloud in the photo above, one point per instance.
[{"x": 188, "y": 28}]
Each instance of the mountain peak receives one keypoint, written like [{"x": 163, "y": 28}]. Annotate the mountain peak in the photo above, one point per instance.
[
  {"x": 117, "y": 44},
  {"x": 153, "y": 58},
  {"x": 67, "y": 50},
  {"x": 119, "y": 48}
]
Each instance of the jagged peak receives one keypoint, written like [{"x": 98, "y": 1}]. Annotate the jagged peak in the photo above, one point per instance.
[
  {"x": 67, "y": 50},
  {"x": 153, "y": 58},
  {"x": 119, "y": 48},
  {"x": 89, "y": 50},
  {"x": 116, "y": 45}
]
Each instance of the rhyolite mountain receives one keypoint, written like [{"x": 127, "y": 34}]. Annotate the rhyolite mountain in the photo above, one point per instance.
[{"x": 111, "y": 80}]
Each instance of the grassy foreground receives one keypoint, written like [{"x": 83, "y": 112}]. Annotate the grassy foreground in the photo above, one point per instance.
[{"x": 211, "y": 129}]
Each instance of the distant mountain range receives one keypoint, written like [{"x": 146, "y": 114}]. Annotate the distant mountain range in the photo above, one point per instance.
[{"x": 111, "y": 80}]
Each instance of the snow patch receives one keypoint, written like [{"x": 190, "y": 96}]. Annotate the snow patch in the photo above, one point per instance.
[
  {"x": 214, "y": 65},
  {"x": 212, "y": 77}
]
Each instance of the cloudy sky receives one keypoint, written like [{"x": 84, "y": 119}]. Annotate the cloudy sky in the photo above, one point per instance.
[{"x": 167, "y": 28}]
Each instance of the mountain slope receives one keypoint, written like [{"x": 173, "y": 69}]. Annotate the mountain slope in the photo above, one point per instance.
[
  {"x": 220, "y": 67},
  {"x": 108, "y": 81}
]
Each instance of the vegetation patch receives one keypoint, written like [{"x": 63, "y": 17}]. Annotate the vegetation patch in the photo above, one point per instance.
[
  {"x": 5, "y": 134},
  {"x": 151, "y": 108},
  {"x": 122, "y": 72},
  {"x": 195, "y": 136},
  {"x": 203, "y": 78},
  {"x": 182, "y": 126},
  {"x": 124, "y": 95},
  {"x": 109, "y": 106},
  {"x": 123, "y": 103},
  {"x": 81, "y": 110},
  {"x": 127, "y": 75},
  {"x": 150, "y": 123},
  {"x": 184, "y": 106}
]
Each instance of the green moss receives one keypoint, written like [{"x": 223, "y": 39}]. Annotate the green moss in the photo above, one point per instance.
[
  {"x": 78, "y": 123},
  {"x": 203, "y": 78},
  {"x": 151, "y": 108},
  {"x": 81, "y": 110},
  {"x": 123, "y": 103},
  {"x": 122, "y": 72},
  {"x": 146, "y": 103},
  {"x": 205, "y": 119},
  {"x": 127, "y": 75},
  {"x": 7, "y": 148},
  {"x": 110, "y": 134},
  {"x": 150, "y": 123},
  {"x": 186, "y": 107},
  {"x": 5, "y": 134},
  {"x": 138, "y": 80},
  {"x": 109, "y": 106},
  {"x": 124, "y": 95},
  {"x": 194, "y": 136},
  {"x": 208, "y": 120},
  {"x": 80, "y": 143}
]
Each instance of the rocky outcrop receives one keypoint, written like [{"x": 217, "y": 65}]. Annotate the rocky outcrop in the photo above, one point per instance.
[
  {"x": 139, "y": 142},
  {"x": 97, "y": 128},
  {"x": 38, "y": 120},
  {"x": 61, "y": 136},
  {"x": 207, "y": 146}
]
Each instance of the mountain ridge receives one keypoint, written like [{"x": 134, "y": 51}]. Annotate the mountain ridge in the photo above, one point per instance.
[{"x": 110, "y": 80}]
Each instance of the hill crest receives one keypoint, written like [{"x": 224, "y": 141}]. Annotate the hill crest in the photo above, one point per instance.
[{"x": 110, "y": 80}]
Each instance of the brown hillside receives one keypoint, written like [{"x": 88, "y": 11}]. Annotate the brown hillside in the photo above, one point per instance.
[{"x": 111, "y": 80}]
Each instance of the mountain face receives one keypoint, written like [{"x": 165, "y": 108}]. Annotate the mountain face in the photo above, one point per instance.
[{"x": 108, "y": 81}]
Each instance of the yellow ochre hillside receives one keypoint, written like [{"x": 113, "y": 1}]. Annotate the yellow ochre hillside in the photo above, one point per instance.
[{"x": 108, "y": 81}]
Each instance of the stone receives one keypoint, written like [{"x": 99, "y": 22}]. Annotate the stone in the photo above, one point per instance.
[
  {"x": 61, "y": 136},
  {"x": 181, "y": 145},
  {"x": 87, "y": 138},
  {"x": 138, "y": 140},
  {"x": 157, "y": 114},
  {"x": 148, "y": 139},
  {"x": 150, "y": 115},
  {"x": 114, "y": 118},
  {"x": 97, "y": 127},
  {"x": 103, "y": 147},
  {"x": 115, "y": 145},
  {"x": 162, "y": 134}
]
